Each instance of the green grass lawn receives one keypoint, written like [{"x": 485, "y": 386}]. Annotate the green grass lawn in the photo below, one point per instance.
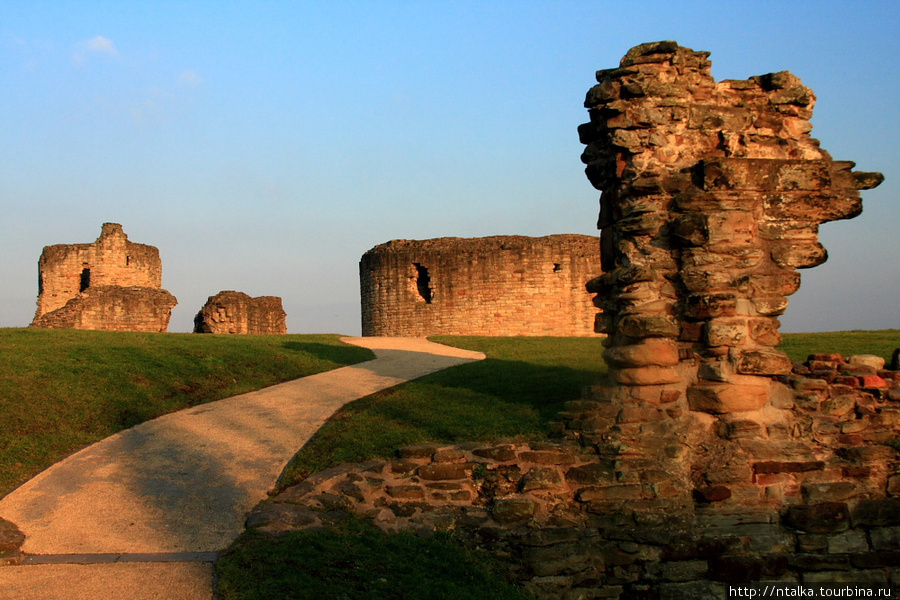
[
  {"x": 847, "y": 343},
  {"x": 359, "y": 562},
  {"x": 63, "y": 389}
]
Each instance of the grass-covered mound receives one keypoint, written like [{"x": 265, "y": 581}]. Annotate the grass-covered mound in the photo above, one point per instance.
[{"x": 62, "y": 389}]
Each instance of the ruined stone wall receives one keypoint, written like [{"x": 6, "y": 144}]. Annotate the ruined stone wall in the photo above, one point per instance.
[
  {"x": 236, "y": 312},
  {"x": 503, "y": 285},
  {"x": 712, "y": 195},
  {"x": 65, "y": 270},
  {"x": 113, "y": 284}
]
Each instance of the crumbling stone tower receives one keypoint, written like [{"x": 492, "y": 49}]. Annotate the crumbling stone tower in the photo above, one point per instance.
[
  {"x": 113, "y": 284},
  {"x": 712, "y": 195},
  {"x": 237, "y": 313},
  {"x": 497, "y": 285}
]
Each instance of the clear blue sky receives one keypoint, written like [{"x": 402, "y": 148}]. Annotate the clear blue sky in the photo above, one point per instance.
[{"x": 264, "y": 146}]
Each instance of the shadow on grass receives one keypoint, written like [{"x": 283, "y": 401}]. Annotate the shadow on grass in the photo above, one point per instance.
[
  {"x": 481, "y": 401},
  {"x": 342, "y": 354},
  {"x": 357, "y": 561}
]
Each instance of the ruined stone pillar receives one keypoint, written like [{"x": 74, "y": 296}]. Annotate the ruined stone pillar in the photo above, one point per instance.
[{"x": 712, "y": 195}]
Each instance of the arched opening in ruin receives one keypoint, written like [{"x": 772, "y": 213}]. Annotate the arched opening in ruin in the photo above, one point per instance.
[
  {"x": 85, "y": 279},
  {"x": 423, "y": 283}
]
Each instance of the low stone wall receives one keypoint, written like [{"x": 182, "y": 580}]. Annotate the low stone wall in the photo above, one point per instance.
[
  {"x": 113, "y": 308},
  {"x": 813, "y": 496},
  {"x": 501, "y": 285},
  {"x": 236, "y": 312}
]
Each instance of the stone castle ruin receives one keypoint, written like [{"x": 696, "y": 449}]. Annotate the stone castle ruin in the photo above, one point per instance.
[
  {"x": 111, "y": 285},
  {"x": 502, "y": 285},
  {"x": 237, "y": 313},
  {"x": 708, "y": 458}
]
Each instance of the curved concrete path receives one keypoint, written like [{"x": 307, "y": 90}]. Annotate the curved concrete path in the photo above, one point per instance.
[{"x": 141, "y": 514}]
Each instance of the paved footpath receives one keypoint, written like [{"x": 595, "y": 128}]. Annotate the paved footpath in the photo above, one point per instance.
[{"x": 142, "y": 514}]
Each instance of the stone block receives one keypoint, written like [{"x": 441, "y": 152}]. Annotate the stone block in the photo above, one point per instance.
[
  {"x": 838, "y": 405},
  {"x": 882, "y": 512},
  {"x": 849, "y": 542},
  {"x": 445, "y": 471},
  {"x": 761, "y": 362},
  {"x": 644, "y": 326},
  {"x": 869, "y": 360},
  {"x": 726, "y": 398},
  {"x": 612, "y": 493},
  {"x": 794, "y": 255},
  {"x": 660, "y": 352},
  {"x": 449, "y": 455},
  {"x": 405, "y": 492},
  {"x": 836, "y": 491},
  {"x": 726, "y": 332},
  {"x": 594, "y": 473},
  {"x": 541, "y": 478},
  {"x": 646, "y": 375},
  {"x": 547, "y": 457},
  {"x": 770, "y": 306},
  {"x": 499, "y": 453},
  {"x": 508, "y": 510}
]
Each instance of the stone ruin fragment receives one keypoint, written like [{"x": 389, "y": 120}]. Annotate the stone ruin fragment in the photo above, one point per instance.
[
  {"x": 712, "y": 196},
  {"x": 236, "y": 312},
  {"x": 110, "y": 285}
]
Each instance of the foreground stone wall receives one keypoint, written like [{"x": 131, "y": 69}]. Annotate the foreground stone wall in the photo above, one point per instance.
[
  {"x": 236, "y": 312},
  {"x": 503, "y": 285},
  {"x": 113, "y": 284}
]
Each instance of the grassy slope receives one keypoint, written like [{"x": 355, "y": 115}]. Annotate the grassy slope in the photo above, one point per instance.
[{"x": 61, "y": 390}]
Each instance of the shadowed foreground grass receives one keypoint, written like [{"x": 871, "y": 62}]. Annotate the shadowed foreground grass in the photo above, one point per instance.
[
  {"x": 62, "y": 389},
  {"x": 359, "y": 562}
]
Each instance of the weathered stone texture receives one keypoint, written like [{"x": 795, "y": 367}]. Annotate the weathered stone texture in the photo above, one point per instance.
[
  {"x": 503, "y": 285},
  {"x": 112, "y": 284},
  {"x": 236, "y": 312}
]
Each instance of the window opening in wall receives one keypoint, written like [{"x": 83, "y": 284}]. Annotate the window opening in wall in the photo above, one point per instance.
[
  {"x": 127, "y": 260},
  {"x": 85, "y": 279},
  {"x": 557, "y": 267},
  {"x": 423, "y": 283}
]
